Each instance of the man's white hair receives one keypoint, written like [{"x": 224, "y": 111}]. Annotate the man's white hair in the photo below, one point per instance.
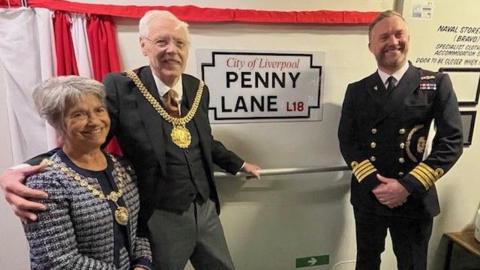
[{"x": 143, "y": 25}]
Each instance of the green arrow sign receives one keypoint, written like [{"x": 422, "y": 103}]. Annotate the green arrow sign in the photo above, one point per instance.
[{"x": 312, "y": 261}]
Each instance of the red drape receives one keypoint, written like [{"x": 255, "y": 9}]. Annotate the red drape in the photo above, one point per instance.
[
  {"x": 66, "y": 63},
  {"x": 192, "y": 13},
  {"x": 104, "y": 55},
  {"x": 103, "y": 46}
]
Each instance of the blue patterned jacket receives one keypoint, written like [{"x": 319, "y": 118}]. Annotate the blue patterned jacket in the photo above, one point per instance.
[{"x": 76, "y": 232}]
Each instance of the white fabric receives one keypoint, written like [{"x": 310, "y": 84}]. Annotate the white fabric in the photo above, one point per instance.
[
  {"x": 46, "y": 45},
  {"x": 432, "y": 131},
  {"x": 397, "y": 74},
  {"x": 25, "y": 64},
  {"x": 80, "y": 44},
  {"x": 46, "y": 42}
]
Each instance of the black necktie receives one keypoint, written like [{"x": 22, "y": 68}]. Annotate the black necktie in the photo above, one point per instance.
[{"x": 391, "y": 84}]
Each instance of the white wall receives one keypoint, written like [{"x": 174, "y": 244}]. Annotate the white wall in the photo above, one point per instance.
[{"x": 271, "y": 222}]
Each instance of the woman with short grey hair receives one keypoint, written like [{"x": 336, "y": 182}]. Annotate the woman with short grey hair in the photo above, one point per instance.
[
  {"x": 93, "y": 203},
  {"x": 53, "y": 96}
]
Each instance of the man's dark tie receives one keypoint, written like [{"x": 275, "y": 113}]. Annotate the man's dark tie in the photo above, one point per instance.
[
  {"x": 391, "y": 84},
  {"x": 171, "y": 105}
]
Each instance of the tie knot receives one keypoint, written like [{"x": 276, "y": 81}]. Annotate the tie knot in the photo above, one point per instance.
[
  {"x": 171, "y": 94},
  {"x": 391, "y": 82},
  {"x": 171, "y": 104}
]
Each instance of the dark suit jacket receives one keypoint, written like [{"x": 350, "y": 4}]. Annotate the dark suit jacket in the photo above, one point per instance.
[
  {"x": 140, "y": 132},
  {"x": 385, "y": 133}
]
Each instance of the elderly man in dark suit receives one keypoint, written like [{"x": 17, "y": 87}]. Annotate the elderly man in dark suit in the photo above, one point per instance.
[
  {"x": 386, "y": 139},
  {"x": 160, "y": 118}
]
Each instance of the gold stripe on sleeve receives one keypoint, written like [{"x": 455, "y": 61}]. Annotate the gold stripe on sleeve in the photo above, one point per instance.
[{"x": 363, "y": 169}]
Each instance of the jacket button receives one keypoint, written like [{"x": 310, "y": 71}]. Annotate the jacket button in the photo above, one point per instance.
[
  {"x": 401, "y": 131},
  {"x": 401, "y": 174},
  {"x": 402, "y": 145},
  {"x": 373, "y": 158},
  {"x": 401, "y": 160},
  {"x": 373, "y": 145},
  {"x": 374, "y": 131}
]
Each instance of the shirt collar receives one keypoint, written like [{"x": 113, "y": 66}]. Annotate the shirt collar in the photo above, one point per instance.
[
  {"x": 163, "y": 88},
  {"x": 397, "y": 74}
]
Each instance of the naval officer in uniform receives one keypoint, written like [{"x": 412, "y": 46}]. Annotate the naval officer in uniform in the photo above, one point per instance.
[{"x": 386, "y": 136}]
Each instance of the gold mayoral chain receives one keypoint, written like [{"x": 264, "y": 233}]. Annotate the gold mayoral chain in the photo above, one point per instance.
[
  {"x": 180, "y": 134},
  {"x": 121, "y": 213}
]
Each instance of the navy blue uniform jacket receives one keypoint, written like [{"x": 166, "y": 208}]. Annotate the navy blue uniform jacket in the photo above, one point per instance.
[{"x": 386, "y": 133}]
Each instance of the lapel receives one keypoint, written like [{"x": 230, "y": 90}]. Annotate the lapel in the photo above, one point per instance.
[
  {"x": 395, "y": 100},
  {"x": 376, "y": 88},
  {"x": 150, "y": 117},
  {"x": 200, "y": 120},
  {"x": 125, "y": 202},
  {"x": 189, "y": 91}
]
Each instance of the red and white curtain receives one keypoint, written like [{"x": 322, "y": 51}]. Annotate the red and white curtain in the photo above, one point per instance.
[{"x": 37, "y": 44}]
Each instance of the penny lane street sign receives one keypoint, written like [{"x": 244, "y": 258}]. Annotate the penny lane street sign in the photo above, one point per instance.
[{"x": 262, "y": 86}]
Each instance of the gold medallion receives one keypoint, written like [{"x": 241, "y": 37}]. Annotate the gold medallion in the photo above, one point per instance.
[
  {"x": 121, "y": 215},
  {"x": 181, "y": 136},
  {"x": 119, "y": 174}
]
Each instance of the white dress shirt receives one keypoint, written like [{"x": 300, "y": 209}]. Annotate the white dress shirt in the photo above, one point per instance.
[{"x": 397, "y": 75}]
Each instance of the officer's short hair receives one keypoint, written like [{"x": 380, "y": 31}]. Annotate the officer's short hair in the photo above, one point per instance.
[{"x": 381, "y": 16}]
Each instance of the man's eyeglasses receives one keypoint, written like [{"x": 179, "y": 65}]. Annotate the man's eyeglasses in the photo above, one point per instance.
[{"x": 163, "y": 42}]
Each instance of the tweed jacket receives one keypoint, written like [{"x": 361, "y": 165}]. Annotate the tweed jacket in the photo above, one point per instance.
[
  {"x": 387, "y": 133},
  {"x": 141, "y": 134},
  {"x": 76, "y": 232}
]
